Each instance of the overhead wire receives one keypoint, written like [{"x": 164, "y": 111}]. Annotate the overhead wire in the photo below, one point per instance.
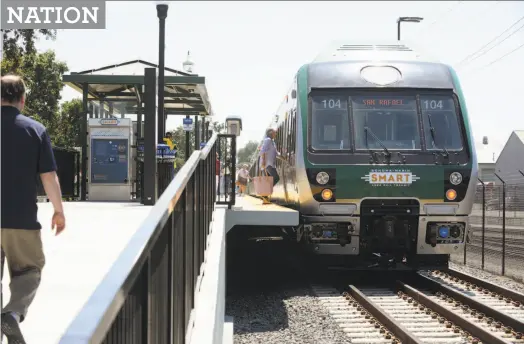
[
  {"x": 493, "y": 40},
  {"x": 500, "y": 58},
  {"x": 442, "y": 16},
  {"x": 504, "y": 56}
]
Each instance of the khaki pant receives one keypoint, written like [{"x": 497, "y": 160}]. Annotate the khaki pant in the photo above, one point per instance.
[{"x": 24, "y": 253}]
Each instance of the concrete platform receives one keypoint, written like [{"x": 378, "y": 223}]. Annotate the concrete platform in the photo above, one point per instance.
[
  {"x": 250, "y": 211},
  {"x": 76, "y": 261}
]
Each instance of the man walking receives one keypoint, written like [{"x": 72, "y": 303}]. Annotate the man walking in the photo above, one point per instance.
[{"x": 26, "y": 155}]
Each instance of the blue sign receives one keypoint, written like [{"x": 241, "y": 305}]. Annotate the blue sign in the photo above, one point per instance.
[
  {"x": 202, "y": 144},
  {"x": 162, "y": 151},
  {"x": 187, "y": 124}
]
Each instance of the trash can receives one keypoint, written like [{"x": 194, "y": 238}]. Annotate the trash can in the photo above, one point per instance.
[{"x": 165, "y": 158}]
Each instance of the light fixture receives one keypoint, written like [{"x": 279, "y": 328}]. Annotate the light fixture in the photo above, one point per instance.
[
  {"x": 188, "y": 63},
  {"x": 327, "y": 194},
  {"x": 451, "y": 195},
  {"x": 455, "y": 178},
  {"x": 161, "y": 9},
  {"x": 322, "y": 178}
]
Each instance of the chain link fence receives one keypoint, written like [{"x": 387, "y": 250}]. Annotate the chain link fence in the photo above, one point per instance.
[{"x": 496, "y": 233}]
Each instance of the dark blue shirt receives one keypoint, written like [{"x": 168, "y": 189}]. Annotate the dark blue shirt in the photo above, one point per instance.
[{"x": 26, "y": 153}]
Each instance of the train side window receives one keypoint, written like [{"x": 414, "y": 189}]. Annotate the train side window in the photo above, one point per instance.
[
  {"x": 293, "y": 131},
  {"x": 289, "y": 134}
]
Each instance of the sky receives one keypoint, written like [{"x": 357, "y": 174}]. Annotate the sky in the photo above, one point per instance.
[{"x": 250, "y": 51}]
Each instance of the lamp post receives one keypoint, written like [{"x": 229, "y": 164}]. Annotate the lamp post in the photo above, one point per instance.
[
  {"x": 161, "y": 11},
  {"x": 188, "y": 67},
  {"x": 406, "y": 19}
]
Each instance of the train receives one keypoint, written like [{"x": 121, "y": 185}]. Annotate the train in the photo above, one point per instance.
[{"x": 378, "y": 157}]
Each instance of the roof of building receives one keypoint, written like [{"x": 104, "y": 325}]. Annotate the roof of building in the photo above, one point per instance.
[{"x": 184, "y": 93}]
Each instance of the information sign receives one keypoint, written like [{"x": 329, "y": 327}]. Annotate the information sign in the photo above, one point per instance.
[{"x": 188, "y": 124}]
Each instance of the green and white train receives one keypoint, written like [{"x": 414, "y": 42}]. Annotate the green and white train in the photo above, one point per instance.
[{"x": 381, "y": 163}]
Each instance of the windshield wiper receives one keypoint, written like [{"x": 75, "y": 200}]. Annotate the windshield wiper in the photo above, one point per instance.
[
  {"x": 368, "y": 130},
  {"x": 433, "y": 135}
]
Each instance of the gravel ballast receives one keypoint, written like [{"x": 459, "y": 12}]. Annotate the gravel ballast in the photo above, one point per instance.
[
  {"x": 293, "y": 316},
  {"x": 502, "y": 281},
  {"x": 271, "y": 301}
]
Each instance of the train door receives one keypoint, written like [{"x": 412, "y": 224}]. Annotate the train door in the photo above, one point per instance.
[{"x": 285, "y": 155}]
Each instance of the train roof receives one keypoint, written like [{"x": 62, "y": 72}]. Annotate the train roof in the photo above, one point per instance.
[
  {"x": 379, "y": 64},
  {"x": 374, "y": 51}
]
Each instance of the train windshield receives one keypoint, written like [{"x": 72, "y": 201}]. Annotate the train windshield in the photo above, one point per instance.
[
  {"x": 441, "y": 127},
  {"x": 379, "y": 121},
  {"x": 386, "y": 121},
  {"x": 330, "y": 123}
]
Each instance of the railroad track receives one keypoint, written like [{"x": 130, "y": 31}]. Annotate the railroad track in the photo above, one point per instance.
[
  {"x": 442, "y": 308},
  {"x": 506, "y": 302}
]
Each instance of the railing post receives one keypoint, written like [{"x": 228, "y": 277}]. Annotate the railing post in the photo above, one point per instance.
[
  {"x": 233, "y": 170},
  {"x": 503, "y": 224},
  {"x": 218, "y": 146},
  {"x": 85, "y": 142},
  {"x": 483, "y": 219}
]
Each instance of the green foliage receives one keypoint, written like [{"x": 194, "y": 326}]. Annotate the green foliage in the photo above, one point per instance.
[
  {"x": 65, "y": 127},
  {"x": 179, "y": 138},
  {"x": 17, "y": 44},
  {"x": 44, "y": 82},
  {"x": 42, "y": 74},
  {"x": 244, "y": 154}
]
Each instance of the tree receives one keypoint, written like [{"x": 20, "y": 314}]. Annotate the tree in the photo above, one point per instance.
[
  {"x": 17, "y": 44},
  {"x": 44, "y": 81},
  {"x": 42, "y": 73},
  {"x": 65, "y": 128},
  {"x": 179, "y": 138},
  {"x": 245, "y": 153}
]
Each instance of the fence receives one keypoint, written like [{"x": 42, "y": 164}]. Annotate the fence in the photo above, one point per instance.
[
  {"x": 496, "y": 233},
  {"x": 226, "y": 156},
  {"x": 148, "y": 294},
  {"x": 225, "y": 153},
  {"x": 68, "y": 164}
]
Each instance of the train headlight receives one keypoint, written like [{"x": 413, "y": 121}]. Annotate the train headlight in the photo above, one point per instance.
[
  {"x": 451, "y": 195},
  {"x": 455, "y": 178},
  {"x": 322, "y": 178},
  {"x": 443, "y": 232},
  {"x": 327, "y": 194}
]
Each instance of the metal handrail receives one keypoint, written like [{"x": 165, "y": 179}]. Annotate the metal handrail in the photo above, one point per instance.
[
  {"x": 94, "y": 321},
  {"x": 207, "y": 149}
]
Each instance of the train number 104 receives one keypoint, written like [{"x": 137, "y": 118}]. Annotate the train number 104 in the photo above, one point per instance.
[
  {"x": 433, "y": 104},
  {"x": 331, "y": 104}
]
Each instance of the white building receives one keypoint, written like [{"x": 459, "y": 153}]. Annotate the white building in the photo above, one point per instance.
[{"x": 487, "y": 157}]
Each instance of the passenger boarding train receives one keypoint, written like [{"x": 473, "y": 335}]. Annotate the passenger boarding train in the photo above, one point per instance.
[{"x": 380, "y": 158}]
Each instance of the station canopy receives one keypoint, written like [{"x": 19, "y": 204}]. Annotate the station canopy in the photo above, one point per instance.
[{"x": 184, "y": 93}]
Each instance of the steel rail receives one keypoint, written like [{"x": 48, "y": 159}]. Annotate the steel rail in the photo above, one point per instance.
[
  {"x": 487, "y": 285},
  {"x": 465, "y": 324},
  {"x": 381, "y": 315},
  {"x": 507, "y": 320}
]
